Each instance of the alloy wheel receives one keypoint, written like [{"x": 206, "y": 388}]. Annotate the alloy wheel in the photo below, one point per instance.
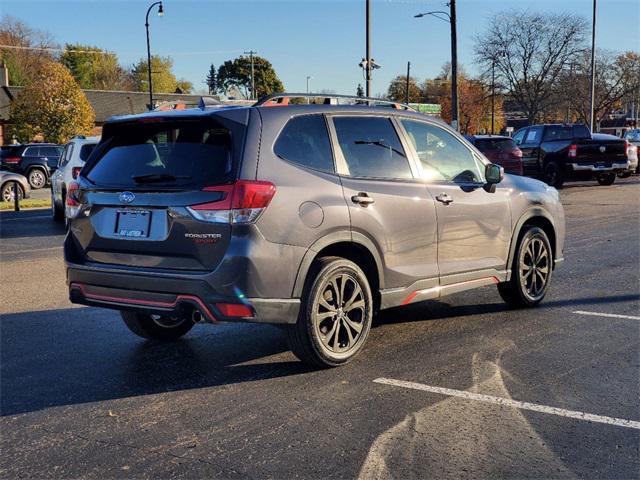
[
  {"x": 166, "y": 321},
  {"x": 535, "y": 266},
  {"x": 340, "y": 313},
  {"x": 37, "y": 179}
]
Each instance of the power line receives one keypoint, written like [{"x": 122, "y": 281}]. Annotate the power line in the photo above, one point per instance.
[{"x": 96, "y": 52}]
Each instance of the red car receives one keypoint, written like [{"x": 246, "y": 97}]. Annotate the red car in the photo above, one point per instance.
[{"x": 500, "y": 150}]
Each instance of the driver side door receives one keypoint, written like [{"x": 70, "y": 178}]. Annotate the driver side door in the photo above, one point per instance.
[{"x": 474, "y": 225}]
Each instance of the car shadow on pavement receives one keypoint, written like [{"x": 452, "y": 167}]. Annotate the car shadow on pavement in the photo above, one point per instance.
[
  {"x": 71, "y": 356},
  {"x": 435, "y": 309}
]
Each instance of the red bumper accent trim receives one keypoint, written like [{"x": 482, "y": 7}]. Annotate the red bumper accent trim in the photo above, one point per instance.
[{"x": 149, "y": 303}]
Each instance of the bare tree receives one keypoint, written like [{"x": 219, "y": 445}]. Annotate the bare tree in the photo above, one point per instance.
[
  {"x": 24, "y": 49},
  {"x": 530, "y": 51},
  {"x": 617, "y": 78}
]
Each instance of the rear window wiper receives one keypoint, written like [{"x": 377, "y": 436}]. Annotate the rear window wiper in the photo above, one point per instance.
[{"x": 158, "y": 178}]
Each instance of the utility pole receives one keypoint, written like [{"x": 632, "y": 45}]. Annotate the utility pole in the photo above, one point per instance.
[
  {"x": 406, "y": 91},
  {"x": 454, "y": 65},
  {"x": 251, "y": 53},
  {"x": 493, "y": 95},
  {"x": 451, "y": 18},
  {"x": 368, "y": 48},
  {"x": 593, "y": 68}
]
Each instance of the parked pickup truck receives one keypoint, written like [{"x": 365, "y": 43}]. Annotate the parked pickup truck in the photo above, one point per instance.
[{"x": 559, "y": 152}]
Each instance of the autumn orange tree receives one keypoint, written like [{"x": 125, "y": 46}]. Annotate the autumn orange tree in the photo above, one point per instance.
[
  {"x": 52, "y": 105},
  {"x": 474, "y": 99}
]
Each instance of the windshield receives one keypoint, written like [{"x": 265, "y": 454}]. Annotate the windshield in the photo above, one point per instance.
[{"x": 176, "y": 153}]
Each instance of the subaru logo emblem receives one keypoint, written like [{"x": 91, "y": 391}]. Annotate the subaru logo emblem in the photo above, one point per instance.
[
  {"x": 602, "y": 149},
  {"x": 127, "y": 197}
]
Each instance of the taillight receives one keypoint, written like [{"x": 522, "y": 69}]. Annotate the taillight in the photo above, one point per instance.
[
  {"x": 573, "y": 151},
  {"x": 75, "y": 171},
  {"x": 72, "y": 192},
  {"x": 242, "y": 202},
  {"x": 12, "y": 160}
]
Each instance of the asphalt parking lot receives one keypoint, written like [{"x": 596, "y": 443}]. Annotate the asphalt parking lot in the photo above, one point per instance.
[{"x": 463, "y": 387}]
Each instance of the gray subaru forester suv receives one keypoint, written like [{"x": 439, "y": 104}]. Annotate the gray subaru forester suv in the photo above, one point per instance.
[{"x": 314, "y": 216}]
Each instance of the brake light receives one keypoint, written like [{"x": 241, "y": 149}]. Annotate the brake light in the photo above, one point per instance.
[
  {"x": 242, "y": 202},
  {"x": 72, "y": 192},
  {"x": 12, "y": 160},
  {"x": 75, "y": 171},
  {"x": 573, "y": 151},
  {"x": 234, "y": 310}
]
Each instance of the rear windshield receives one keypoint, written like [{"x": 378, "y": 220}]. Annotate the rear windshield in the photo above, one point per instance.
[
  {"x": 163, "y": 153},
  {"x": 86, "y": 150},
  {"x": 565, "y": 132},
  {"x": 495, "y": 145},
  {"x": 10, "y": 151}
]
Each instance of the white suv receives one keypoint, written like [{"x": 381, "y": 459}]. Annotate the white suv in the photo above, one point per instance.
[{"x": 71, "y": 162}]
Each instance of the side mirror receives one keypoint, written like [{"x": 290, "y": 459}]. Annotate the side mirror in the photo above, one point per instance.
[{"x": 493, "y": 174}]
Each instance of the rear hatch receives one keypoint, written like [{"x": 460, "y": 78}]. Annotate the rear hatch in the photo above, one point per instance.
[
  {"x": 601, "y": 150},
  {"x": 138, "y": 183}
]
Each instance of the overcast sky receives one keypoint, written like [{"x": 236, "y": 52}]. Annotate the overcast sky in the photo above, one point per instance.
[{"x": 324, "y": 39}]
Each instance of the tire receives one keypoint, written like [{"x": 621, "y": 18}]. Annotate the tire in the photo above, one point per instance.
[
  {"x": 7, "y": 192},
  {"x": 534, "y": 251},
  {"x": 37, "y": 178},
  {"x": 156, "y": 327},
  {"x": 606, "y": 179},
  {"x": 553, "y": 175},
  {"x": 625, "y": 174},
  {"x": 332, "y": 327},
  {"x": 56, "y": 212}
]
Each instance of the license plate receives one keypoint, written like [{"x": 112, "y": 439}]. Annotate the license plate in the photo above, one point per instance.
[{"x": 133, "y": 223}]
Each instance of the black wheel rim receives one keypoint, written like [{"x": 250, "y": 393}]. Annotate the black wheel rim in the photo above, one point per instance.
[
  {"x": 535, "y": 268},
  {"x": 37, "y": 179},
  {"x": 340, "y": 313},
  {"x": 552, "y": 175},
  {"x": 165, "y": 321}
]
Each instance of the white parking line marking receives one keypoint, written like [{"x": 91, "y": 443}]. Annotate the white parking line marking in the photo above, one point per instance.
[
  {"x": 618, "y": 422},
  {"x": 610, "y": 315}
]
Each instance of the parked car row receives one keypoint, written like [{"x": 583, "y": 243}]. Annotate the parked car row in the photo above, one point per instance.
[{"x": 35, "y": 161}]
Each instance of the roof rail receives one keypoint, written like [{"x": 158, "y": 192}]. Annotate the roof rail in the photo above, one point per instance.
[{"x": 329, "y": 98}]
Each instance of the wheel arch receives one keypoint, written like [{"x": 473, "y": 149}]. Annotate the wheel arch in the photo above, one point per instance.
[
  {"x": 352, "y": 246},
  {"x": 538, "y": 217}
]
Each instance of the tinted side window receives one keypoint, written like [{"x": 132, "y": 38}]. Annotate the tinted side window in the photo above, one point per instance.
[
  {"x": 305, "y": 141},
  {"x": 51, "y": 152},
  {"x": 31, "y": 152},
  {"x": 519, "y": 136},
  {"x": 442, "y": 155},
  {"x": 86, "y": 150},
  {"x": 371, "y": 147}
]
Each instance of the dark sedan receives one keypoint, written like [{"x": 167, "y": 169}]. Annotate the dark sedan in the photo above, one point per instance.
[{"x": 500, "y": 150}]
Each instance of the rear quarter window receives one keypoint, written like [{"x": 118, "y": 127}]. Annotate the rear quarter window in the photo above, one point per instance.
[
  {"x": 86, "y": 150},
  {"x": 305, "y": 141}
]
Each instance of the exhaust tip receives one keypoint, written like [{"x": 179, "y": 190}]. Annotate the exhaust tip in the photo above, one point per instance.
[{"x": 197, "y": 317}]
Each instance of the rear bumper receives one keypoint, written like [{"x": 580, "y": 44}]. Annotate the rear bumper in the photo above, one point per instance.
[
  {"x": 598, "y": 168},
  {"x": 167, "y": 295}
]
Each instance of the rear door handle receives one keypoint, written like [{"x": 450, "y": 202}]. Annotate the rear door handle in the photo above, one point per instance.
[
  {"x": 444, "y": 198},
  {"x": 363, "y": 199}
]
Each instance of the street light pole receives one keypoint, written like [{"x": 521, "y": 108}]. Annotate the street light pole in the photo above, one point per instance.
[
  {"x": 454, "y": 65},
  {"x": 368, "y": 48},
  {"x": 593, "y": 69},
  {"x": 406, "y": 91},
  {"x": 146, "y": 24},
  {"x": 251, "y": 53},
  {"x": 309, "y": 77},
  {"x": 451, "y": 18}
]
